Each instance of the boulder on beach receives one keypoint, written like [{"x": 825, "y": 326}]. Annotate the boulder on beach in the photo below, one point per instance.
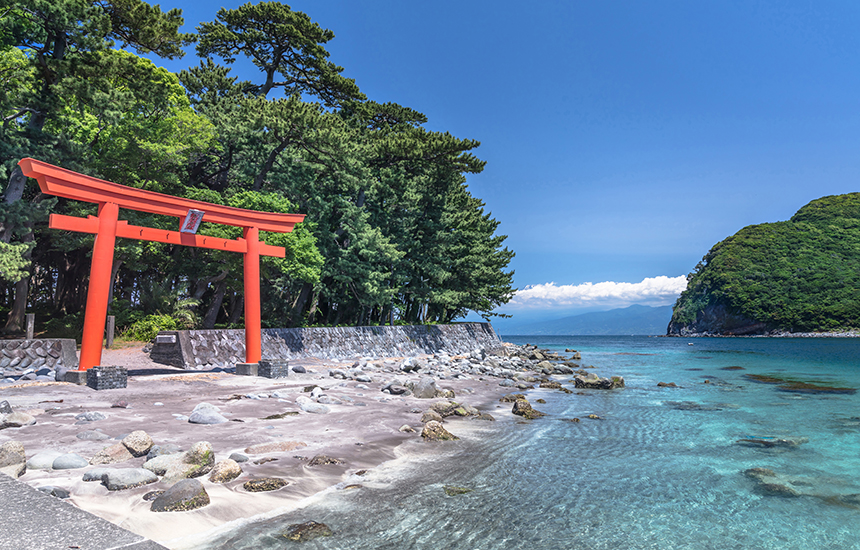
[
  {"x": 16, "y": 420},
  {"x": 69, "y": 461},
  {"x": 425, "y": 388},
  {"x": 111, "y": 455},
  {"x": 224, "y": 471},
  {"x": 5, "y": 407},
  {"x": 185, "y": 495},
  {"x": 431, "y": 416},
  {"x": 433, "y": 431},
  {"x": 206, "y": 413},
  {"x": 13, "y": 461},
  {"x": 138, "y": 443},
  {"x": 195, "y": 462},
  {"x": 120, "y": 479},
  {"x": 43, "y": 460},
  {"x": 310, "y": 406},
  {"x": 523, "y": 408}
]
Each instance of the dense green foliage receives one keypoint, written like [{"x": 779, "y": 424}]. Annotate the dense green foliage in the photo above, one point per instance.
[
  {"x": 392, "y": 231},
  {"x": 799, "y": 275}
]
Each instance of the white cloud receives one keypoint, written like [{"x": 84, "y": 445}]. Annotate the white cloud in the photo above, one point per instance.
[{"x": 654, "y": 291}]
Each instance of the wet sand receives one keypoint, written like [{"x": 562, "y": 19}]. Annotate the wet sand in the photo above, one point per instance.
[{"x": 364, "y": 433}]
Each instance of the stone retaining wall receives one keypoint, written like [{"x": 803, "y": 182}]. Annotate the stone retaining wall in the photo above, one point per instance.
[
  {"x": 50, "y": 352},
  {"x": 225, "y": 348}
]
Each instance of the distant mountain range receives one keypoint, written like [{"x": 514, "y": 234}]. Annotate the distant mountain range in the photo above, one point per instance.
[{"x": 633, "y": 320}]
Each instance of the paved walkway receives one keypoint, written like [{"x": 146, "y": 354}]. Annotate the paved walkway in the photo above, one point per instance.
[{"x": 32, "y": 520}]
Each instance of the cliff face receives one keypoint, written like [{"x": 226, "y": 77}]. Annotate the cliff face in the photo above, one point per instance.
[
  {"x": 717, "y": 319},
  {"x": 801, "y": 275}
]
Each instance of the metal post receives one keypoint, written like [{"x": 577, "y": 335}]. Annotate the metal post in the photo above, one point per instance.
[
  {"x": 253, "y": 337},
  {"x": 111, "y": 327},
  {"x": 99, "y": 288},
  {"x": 31, "y": 325}
]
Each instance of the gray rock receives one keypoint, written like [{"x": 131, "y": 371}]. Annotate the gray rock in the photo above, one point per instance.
[
  {"x": 116, "y": 479},
  {"x": 507, "y": 383},
  {"x": 160, "y": 450},
  {"x": 111, "y": 455},
  {"x": 363, "y": 378},
  {"x": 298, "y": 369},
  {"x": 43, "y": 460},
  {"x": 13, "y": 461},
  {"x": 92, "y": 435},
  {"x": 138, "y": 443},
  {"x": 337, "y": 373},
  {"x": 70, "y": 461},
  {"x": 206, "y": 416},
  {"x": 195, "y": 462},
  {"x": 308, "y": 405},
  {"x": 224, "y": 471},
  {"x": 425, "y": 388},
  {"x": 16, "y": 420},
  {"x": 238, "y": 457},
  {"x": 5, "y": 407},
  {"x": 58, "y": 492},
  {"x": 92, "y": 416},
  {"x": 95, "y": 474},
  {"x": 185, "y": 495},
  {"x": 329, "y": 400}
]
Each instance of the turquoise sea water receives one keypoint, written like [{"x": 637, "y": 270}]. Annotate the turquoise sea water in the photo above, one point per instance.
[{"x": 661, "y": 470}]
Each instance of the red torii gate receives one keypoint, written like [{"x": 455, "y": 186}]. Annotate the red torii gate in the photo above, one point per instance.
[{"x": 110, "y": 197}]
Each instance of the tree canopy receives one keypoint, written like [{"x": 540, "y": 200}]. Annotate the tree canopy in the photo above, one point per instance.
[
  {"x": 801, "y": 275},
  {"x": 392, "y": 231}
]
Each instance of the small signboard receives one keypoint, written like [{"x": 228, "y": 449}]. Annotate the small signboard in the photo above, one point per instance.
[{"x": 192, "y": 221}]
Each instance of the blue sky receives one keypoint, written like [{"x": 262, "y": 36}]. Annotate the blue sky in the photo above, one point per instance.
[{"x": 623, "y": 139}]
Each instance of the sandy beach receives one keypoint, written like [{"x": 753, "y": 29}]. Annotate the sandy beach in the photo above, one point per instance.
[{"x": 364, "y": 431}]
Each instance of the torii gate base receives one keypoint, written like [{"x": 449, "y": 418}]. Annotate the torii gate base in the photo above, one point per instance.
[{"x": 107, "y": 226}]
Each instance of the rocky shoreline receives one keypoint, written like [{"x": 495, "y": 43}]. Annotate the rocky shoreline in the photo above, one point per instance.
[
  {"x": 853, "y": 333},
  {"x": 179, "y": 453}
]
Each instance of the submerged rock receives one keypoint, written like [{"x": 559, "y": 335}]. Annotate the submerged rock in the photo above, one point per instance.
[
  {"x": 264, "y": 484},
  {"x": 594, "y": 382},
  {"x": 770, "y": 442},
  {"x": 452, "y": 490},
  {"x": 309, "y": 530},
  {"x": 775, "y": 490},
  {"x": 320, "y": 460}
]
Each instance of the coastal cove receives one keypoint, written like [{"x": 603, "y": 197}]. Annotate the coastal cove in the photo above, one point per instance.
[{"x": 663, "y": 467}]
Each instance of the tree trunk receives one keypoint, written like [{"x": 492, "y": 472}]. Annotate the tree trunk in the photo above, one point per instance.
[
  {"x": 114, "y": 270},
  {"x": 299, "y": 304},
  {"x": 15, "y": 322},
  {"x": 236, "y": 309},
  {"x": 214, "y": 308}
]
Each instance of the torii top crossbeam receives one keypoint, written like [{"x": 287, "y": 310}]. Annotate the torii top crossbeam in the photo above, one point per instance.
[{"x": 110, "y": 197}]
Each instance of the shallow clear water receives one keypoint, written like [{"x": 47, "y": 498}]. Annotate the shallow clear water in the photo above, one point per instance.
[{"x": 661, "y": 470}]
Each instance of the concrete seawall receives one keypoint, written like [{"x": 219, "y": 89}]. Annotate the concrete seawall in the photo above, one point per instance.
[{"x": 211, "y": 348}]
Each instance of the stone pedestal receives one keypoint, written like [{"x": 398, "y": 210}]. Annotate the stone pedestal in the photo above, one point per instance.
[
  {"x": 78, "y": 377},
  {"x": 107, "y": 378},
  {"x": 273, "y": 368},
  {"x": 246, "y": 369}
]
